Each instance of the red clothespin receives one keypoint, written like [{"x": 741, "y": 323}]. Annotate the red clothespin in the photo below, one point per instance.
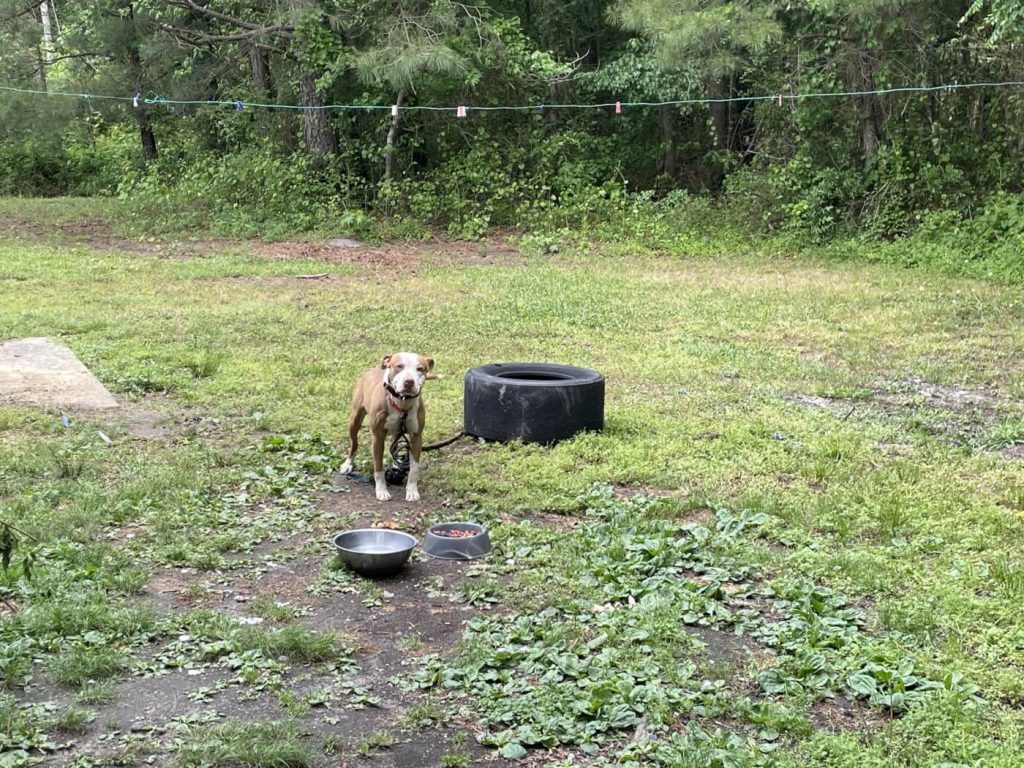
[
  {"x": 461, "y": 111},
  {"x": 618, "y": 107}
]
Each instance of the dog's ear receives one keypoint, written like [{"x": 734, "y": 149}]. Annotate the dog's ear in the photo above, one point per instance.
[
  {"x": 430, "y": 363},
  {"x": 384, "y": 362}
]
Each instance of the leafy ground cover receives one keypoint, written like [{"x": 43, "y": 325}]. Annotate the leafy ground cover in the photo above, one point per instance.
[{"x": 796, "y": 543}]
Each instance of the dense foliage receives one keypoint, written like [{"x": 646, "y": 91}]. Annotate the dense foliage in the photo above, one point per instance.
[{"x": 819, "y": 168}]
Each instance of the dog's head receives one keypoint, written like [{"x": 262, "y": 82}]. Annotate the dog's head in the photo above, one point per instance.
[{"x": 405, "y": 372}]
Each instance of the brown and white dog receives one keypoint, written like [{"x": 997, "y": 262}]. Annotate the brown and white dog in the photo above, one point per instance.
[{"x": 386, "y": 393}]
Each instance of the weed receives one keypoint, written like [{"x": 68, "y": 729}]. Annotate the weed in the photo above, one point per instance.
[
  {"x": 73, "y": 720},
  {"x": 271, "y": 610},
  {"x": 15, "y": 662},
  {"x": 892, "y": 515},
  {"x": 330, "y": 743},
  {"x": 1008, "y": 577},
  {"x": 68, "y": 464},
  {"x": 96, "y": 692},
  {"x": 204, "y": 364},
  {"x": 1007, "y": 433},
  {"x": 295, "y": 643},
  {"x": 453, "y": 759},
  {"x": 424, "y": 715},
  {"x": 374, "y": 743}
]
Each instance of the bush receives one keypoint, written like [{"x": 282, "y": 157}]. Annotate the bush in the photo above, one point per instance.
[{"x": 245, "y": 193}]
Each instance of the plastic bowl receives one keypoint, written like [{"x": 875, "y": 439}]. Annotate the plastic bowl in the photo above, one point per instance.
[
  {"x": 436, "y": 544},
  {"x": 374, "y": 552}
]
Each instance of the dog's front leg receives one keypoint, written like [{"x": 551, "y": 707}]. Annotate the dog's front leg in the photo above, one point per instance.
[
  {"x": 412, "y": 491},
  {"x": 377, "y": 449}
]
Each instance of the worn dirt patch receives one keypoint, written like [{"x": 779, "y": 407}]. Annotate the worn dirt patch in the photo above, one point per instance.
[
  {"x": 404, "y": 259},
  {"x": 840, "y": 714},
  {"x": 957, "y": 415},
  {"x": 386, "y": 624}
]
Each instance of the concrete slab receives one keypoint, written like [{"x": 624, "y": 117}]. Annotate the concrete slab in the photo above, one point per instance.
[{"x": 40, "y": 372}]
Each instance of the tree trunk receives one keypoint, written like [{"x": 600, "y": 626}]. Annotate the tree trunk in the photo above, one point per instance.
[
  {"x": 869, "y": 108},
  {"x": 260, "y": 70},
  {"x": 316, "y": 123},
  {"x": 668, "y": 140},
  {"x": 719, "y": 112},
  {"x": 389, "y": 145},
  {"x": 42, "y": 66},
  {"x": 146, "y": 135},
  {"x": 44, "y": 15}
]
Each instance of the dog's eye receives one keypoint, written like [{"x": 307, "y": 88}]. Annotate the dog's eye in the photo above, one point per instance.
[
  {"x": 401, "y": 367},
  {"x": 420, "y": 369}
]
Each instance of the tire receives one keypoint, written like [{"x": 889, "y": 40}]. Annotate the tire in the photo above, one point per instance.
[{"x": 532, "y": 402}]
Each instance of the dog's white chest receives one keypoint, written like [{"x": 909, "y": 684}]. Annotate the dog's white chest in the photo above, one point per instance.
[{"x": 393, "y": 422}]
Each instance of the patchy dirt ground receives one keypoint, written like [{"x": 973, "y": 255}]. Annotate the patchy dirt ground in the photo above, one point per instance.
[
  {"x": 386, "y": 624},
  {"x": 401, "y": 258},
  {"x": 957, "y": 415}
]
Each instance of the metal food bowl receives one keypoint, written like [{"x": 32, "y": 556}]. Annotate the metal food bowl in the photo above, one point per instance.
[
  {"x": 436, "y": 544},
  {"x": 374, "y": 552}
]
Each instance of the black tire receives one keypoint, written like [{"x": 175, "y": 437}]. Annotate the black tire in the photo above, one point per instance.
[{"x": 532, "y": 402}]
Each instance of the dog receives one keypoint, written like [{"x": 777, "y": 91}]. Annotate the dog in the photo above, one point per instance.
[{"x": 385, "y": 394}]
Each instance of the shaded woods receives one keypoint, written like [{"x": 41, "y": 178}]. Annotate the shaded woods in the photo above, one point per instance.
[{"x": 818, "y": 167}]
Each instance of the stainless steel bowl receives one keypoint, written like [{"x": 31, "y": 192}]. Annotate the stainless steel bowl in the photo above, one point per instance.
[{"x": 374, "y": 552}]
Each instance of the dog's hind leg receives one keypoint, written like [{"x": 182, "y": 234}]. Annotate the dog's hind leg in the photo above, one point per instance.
[
  {"x": 377, "y": 439},
  {"x": 355, "y": 423}
]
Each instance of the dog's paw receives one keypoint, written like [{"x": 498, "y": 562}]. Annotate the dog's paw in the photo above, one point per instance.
[
  {"x": 346, "y": 467},
  {"x": 383, "y": 495},
  {"x": 412, "y": 493}
]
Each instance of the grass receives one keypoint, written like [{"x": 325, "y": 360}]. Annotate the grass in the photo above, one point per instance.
[
  {"x": 254, "y": 745},
  {"x": 79, "y": 666},
  {"x": 791, "y": 388}
]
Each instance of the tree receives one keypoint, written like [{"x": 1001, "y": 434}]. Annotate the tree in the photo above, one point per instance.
[{"x": 714, "y": 37}]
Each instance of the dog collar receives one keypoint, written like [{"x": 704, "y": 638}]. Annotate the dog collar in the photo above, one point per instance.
[{"x": 393, "y": 395}]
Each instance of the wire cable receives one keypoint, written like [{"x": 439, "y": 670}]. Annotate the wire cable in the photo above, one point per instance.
[{"x": 777, "y": 97}]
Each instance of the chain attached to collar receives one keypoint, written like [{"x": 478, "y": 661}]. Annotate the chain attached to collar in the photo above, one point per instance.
[{"x": 397, "y": 473}]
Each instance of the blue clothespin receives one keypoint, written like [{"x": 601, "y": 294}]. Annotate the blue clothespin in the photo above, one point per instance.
[
  {"x": 65, "y": 422},
  {"x": 239, "y": 105}
]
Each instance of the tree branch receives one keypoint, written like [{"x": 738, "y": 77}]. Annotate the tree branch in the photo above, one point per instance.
[{"x": 188, "y": 5}]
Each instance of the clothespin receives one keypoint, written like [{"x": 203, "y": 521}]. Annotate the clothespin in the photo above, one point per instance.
[
  {"x": 778, "y": 99},
  {"x": 394, "y": 110},
  {"x": 618, "y": 107},
  {"x": 64, "y": 421},
  {"x": 239, "y": 105},
  {"x": 460, "y": 111},
  {"x": 135, "y": 99},
  {"x": 541, "y": 108}
]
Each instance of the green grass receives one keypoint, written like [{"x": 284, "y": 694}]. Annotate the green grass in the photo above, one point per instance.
[
  {"x": 254, "y": 745},
  {"x": 904, "y": 503},
  {"x": 78, "y": 666}
]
